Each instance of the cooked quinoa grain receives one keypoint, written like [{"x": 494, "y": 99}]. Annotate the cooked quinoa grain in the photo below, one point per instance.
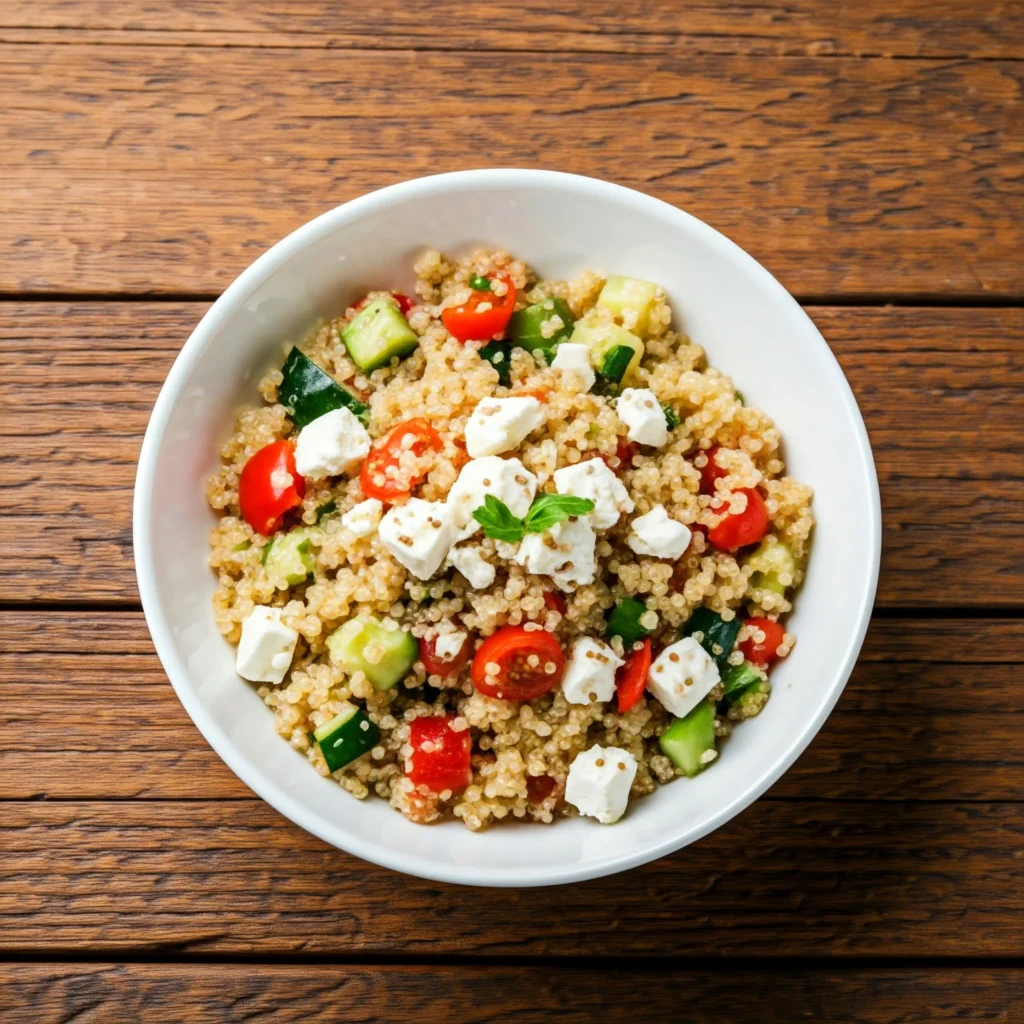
[{"x": 415, "y": 709}]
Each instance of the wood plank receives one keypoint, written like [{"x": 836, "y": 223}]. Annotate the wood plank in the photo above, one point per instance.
[
  {"x": 162, "y": 169},
  {"x": 934, "y": 711},
  {"x": 942, "y": 392},
  {"x": 808, "y": 878},
  {"x": 233, "y": 993},
  {"x": 945, "y": 28}
]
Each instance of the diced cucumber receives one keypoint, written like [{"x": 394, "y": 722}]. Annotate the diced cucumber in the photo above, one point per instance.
[
  {"x": 770, "y": 560},
  {"x": 378, "y": 333},
  {"x": 624, "y": 621},
  {"x": 525, "y": 329},
  {"x": 287, "y": 557},
  {"x": 601, "y": 338},
  {"x": 687, "y": 739},
  {"x": 616, "y": 363},
  {"x": 740, "y": 679},
  {"x": 719, "y": 636},
  {"x": 348, "y": 735},
  {"x": 630, "y": 301},
  {"x": 310, "y": 392},
  {"x": 498, "y": 355},
  {"x": 363, "y": 645}
]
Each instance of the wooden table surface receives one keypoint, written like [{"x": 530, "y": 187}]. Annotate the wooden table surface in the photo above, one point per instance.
[{"x": 869, "y": 154}]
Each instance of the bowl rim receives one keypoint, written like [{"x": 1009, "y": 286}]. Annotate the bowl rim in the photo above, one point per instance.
[{"x": 266, "y": 787}]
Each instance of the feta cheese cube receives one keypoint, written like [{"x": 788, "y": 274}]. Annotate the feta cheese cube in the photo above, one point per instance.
[
  {"x": 590, "y": 673},
  {"x": 682, "y": 676},
  {"x": 575, "y": 358},
  {"x": 594, "y": 480},
  {"x": 265, "y": 651},
  {"x": 507, "y": 479},
  {"x": 362, "y": 519},
  {"x": 448, "y": 645},
  {"x": 332, "y": 444},
  {"x": 477, "y": 570},
  {"x": 642, "y": 413},
  {"x": 499, "y": 424},
  {"x": 419, "y": 534},
  {"x": 657, "y": 534},
  {"x": 565, "y": 553},
  {"x": 599, "y": 782}
]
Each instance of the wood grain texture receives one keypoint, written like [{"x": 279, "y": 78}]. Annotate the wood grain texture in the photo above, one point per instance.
[
  {"x": 274, "y": 994},
  {"x": 942, "y": 392},
  {"x": 935, "y": 28},
  {"x": 934, "y": 711},
  {"x": 168, "y": 169},
  {"x": 785, "y": 878}
]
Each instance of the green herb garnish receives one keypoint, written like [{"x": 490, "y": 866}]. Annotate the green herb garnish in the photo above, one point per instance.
[
  {"x": 671, "y": 416},
  {"x": 328, "y": 508},
  {"x": 479, "y": 284},
  {"x": 547, "y": 511}
]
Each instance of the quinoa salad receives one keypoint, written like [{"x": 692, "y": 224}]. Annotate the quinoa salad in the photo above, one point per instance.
[{"x": 507, "y": 549}]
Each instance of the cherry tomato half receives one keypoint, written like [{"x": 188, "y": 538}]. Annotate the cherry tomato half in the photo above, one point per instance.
[
  {"x": 631, "y": 678},
  {"x": 440, "y": 755},
  {"x": 511, "y": 649},
  {"x": 470, "y": 322},
  {"x": 381, "y": 475},
  {"x": 269, "y": 486},
  {"x": 712, "y": 472},
  {"x": 738, "y": 529},
  {"x": 766, "y": 652},
  {"x": 438, "y": 666}
]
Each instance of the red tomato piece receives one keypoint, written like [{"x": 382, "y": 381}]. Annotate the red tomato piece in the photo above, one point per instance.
[
  {"x": 379, "y": 475},
  {"x": 712, "y": 472},
  {"x": 555, "y": 602},
  {"x": 470, "y": 322},
  {"x": 511, "y": 649},
  {"x": 738, "y": 529},
  {"x": 539, "y": 788},
  {"x": 624, "y": 452},
  {"x": 440, "y": 755},
  {"x": 765, "y": 652},
  {"x": 631, "y": 678},
  {"x": 438, "y": 666},
  {"x": 269, "y": 486}
]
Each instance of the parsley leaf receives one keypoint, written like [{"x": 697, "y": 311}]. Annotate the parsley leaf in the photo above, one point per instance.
[
  {"x": 497, "y": 520},
  {"x": 550, "y": 509},
  {"x": 671, "y": 416},
  {"x": 328, "y": 508}
]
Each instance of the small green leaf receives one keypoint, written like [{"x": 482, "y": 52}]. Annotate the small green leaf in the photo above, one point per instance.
[
  {"x": 497, "y": 520},
  {"x": 328, "y": 508},
  {"x": 671, "y": 416},
  {"x": 498, "y": 355},
  {"x": 550, "y": 509}
]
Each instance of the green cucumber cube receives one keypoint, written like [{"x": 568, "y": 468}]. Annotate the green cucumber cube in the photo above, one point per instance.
[
  {"x": 624, "y": 621},
  {"x": 311, "y": 392},
  {"x": 739, "y": 680},
  {"x": 718, "y": 636},
  {"x": 526, "y": 328},
  {"x": 688, "y": 739},
  {"x": 378, "y": 333},
  {"x": 630, "y": 300},
  {"x": 288, "y": 559},
  {"x": 771, "y": 560},
  {"x": 348, "y": 735},
  {"x": 601, "y": 338},
  {"x": 363, "y": 645}
]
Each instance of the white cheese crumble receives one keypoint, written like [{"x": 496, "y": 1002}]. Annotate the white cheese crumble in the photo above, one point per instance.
[
  {"x": 498, "y": 424},
  {"x": 640, "y": 410},
  {"x": 419, "y": 534},
  {"x": 565, "y": 553},
  {"x": 590, "y": 674},
  {"x": 575, "y": 358},
  {"x": 332, "y": 444},
  {"x": 477, "y": 570},
  {"x": 507, "y": 479},
  {"x": 594, "y": 480},
  {"x": 448, "y": 645},
  {"x": 265, "y": 651},
  {"x": 682, "y": 676},
  {"x": 659, "y": 535},
  {"x": 362, "y": 519},
  {"x": 599, "y": 782}
]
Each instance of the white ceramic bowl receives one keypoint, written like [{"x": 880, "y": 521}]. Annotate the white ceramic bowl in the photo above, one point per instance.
[{"x": 560, "y": 223}]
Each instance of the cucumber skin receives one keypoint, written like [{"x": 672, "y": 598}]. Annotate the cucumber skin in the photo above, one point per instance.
[
  {"x": 346, "y": 643},
  {"x": 716, "y": 631},
  {"x": 282, "y": 549},
  {"x": 348, "y": 740},
  {"x": 624, "y": 621},
  {"x": 739, "y": 680},
  {"x": 394, "y": 336},
  {"x": 680, "y": 741},
  {"x": 502, "y": 365},
  {"x": 311, "y": 392},
  {"x": 524, "y": 327}
]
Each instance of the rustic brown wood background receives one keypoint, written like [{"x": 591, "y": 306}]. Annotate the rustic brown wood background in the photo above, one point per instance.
[{"x": 870, "y": 154}]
